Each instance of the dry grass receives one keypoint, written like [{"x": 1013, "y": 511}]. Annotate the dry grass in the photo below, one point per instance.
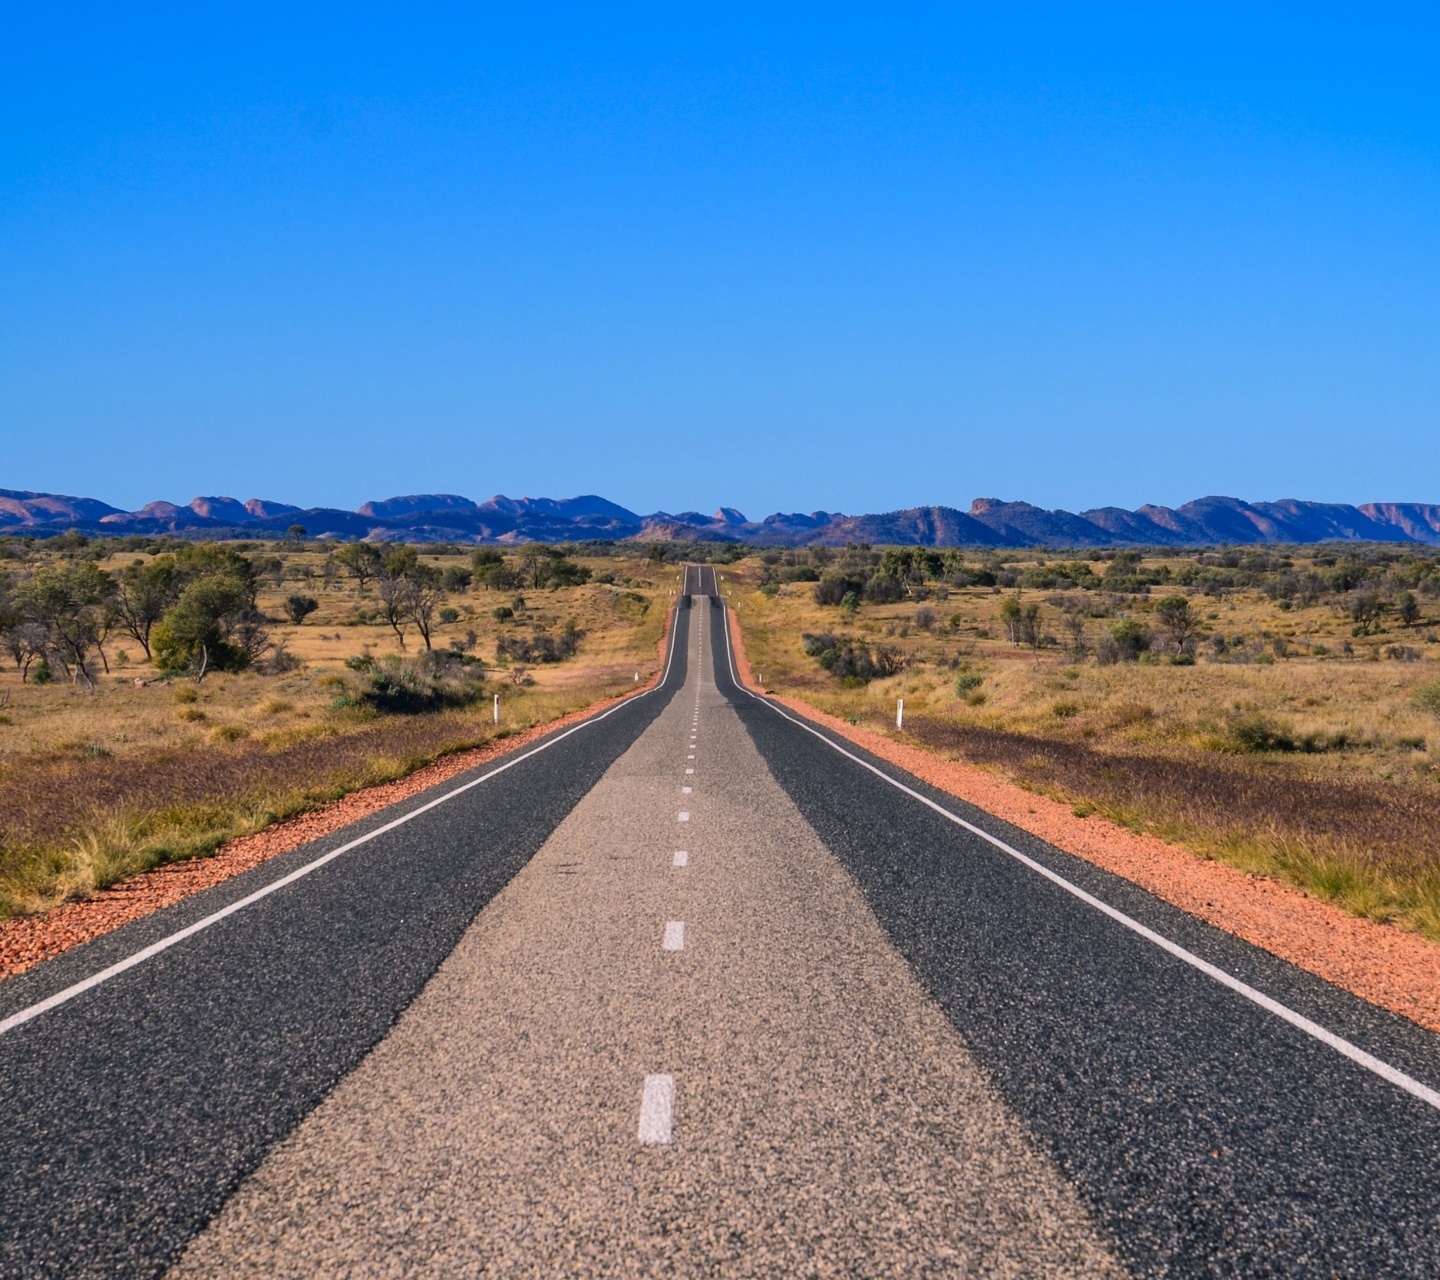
[
  {"x": 1163, "y": 748},
  {"x": 97, "y": 786}
]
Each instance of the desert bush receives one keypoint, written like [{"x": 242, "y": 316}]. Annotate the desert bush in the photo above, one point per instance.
[
  {"x": 834, "y": 587},
  {"x": 1175, "y": 617},
  {"x": 498, "y": 577},
  {"x": 70, "y": 603},
  {"x": 432, "y": 681},
  {"x": 280, "y": 661},
  {"x": 542, "y": 566},
  {"x": 299, "y": 607},
  {"x": 848, "y": 660},
  {"x": 1126, "y": 640},
  {"x": 1255, "y": 732},
  {"x": 541, "y": 647},
  {"x": 363, "y": 560},
  {"x": 883, "y": 588},
  {"x": 967, "y": 682},
  {"x": 1427, "y": 697},
  {"x": 143, "y": 592},
  {"x": 213, "y": 626},
  {"x": 1021, "y": 621},
  {"x": 1365, "y": 610},
  {"x": 925, "y": 617}
]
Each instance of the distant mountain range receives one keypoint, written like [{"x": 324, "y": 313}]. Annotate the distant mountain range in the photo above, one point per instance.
[{"x": 447, "y": 517}]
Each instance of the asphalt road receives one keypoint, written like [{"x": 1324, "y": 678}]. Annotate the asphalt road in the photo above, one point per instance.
[
  {"x": 795, "y": 1020},
  {"x": 633, "y": 1067},
  {"x": 1207, "y": 1135},
  {"x": 133, "y": 1110}
]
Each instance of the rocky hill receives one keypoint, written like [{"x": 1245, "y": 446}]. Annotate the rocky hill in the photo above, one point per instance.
[{"x": 990, "y": 522}]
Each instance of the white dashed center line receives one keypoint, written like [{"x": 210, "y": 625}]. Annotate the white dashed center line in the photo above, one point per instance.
[
  {"x": 657, "y": 1110},
  {"x": 674, "y": 936},
  {"x": 690, "y": 770},
  {"x": 685, "y": 791},
  {"x": 682, "y": 858},
  {"x": 684, "y": 816}
]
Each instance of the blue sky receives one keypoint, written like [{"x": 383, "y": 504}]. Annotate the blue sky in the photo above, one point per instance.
[{"x": 846, "y": 258}]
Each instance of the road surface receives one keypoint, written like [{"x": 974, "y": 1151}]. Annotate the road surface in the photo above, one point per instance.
[{"x": 696, "y": 989}]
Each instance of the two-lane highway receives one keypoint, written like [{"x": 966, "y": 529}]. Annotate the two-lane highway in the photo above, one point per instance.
[{"x": 699, "y": 989}]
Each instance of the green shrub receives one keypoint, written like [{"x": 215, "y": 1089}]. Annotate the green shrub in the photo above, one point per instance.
[
  {"x": 540, "y": 647},
  {"x": 1256, "y": 732},
  {"x": 298, "y": 607},
  {"x": 213, "y": 622},
  {"x": 1126, "y": 641},
  {"x": 1427, "y": 697},
  {"x": 432, "y": 681},
  {"x": 851, "y": 663}
]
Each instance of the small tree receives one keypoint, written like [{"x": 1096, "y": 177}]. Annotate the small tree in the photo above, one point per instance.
[
  {"x": 1365, "y": 610},
  {"x": 362, "y": 560},
  {"x": 1175, "y": 618},
  {"x": 1408, "y": 608},
  {"x": 1022, "y": 622},
  {"x": 1074, "y": 611},
  {"x": 394, "y": 605},
  {"x": 425, "y": 591},
  {"x": 214, "y": 626},
  {"x": 25, "y": 642},
  {"x": 1027, "y": 629},
  {"x": 1010, "y": 618},
  {"x": 297, "y": 533},
  {"x": 143, "y": 593},
  {"x": 68, "y": 602},
  {"x": 1127, "y": 640},
  {"x": 298, "y": 607}
]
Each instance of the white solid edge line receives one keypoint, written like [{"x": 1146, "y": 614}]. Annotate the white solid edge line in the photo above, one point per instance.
[
  {"x": 1341, "y": 1046},
  {"x": 657, "y": 1111},
  {"x": 164, "y": 944}
]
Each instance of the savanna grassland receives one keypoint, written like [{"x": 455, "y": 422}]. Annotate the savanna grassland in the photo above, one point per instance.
[
  {"x": 160, "y": 697},
  {"x": 1277, "y": 709}
]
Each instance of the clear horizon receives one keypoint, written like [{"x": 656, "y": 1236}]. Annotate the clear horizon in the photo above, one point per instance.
[{"x": 826, "y": 261}]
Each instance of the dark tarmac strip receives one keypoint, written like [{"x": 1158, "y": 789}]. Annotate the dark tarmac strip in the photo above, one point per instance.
[
  {"x": 1207, "y": 1135},
  {"x": 133, "y": 1109},
  {"x": 675, "y": 1044}
]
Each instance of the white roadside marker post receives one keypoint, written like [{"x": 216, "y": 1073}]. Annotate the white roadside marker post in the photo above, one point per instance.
[
  {"x": 497, "y": 708},
  {"x": 900, "y": 713}
]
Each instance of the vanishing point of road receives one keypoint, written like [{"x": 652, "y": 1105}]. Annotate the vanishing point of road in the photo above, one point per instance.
[{"x": 694, "y": 988}]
